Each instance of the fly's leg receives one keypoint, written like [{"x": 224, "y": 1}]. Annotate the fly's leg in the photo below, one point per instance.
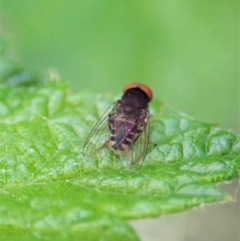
[
  {"x": 152, "y": 143},
  {"x": 104, "y": 145},
  {"x": 131, "y": 156}
]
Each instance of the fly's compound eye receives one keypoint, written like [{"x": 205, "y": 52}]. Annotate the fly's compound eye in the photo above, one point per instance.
[{"x": 143, "y": 87}]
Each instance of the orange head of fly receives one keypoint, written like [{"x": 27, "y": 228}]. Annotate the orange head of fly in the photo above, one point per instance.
[{"x": 144, "y": 88}]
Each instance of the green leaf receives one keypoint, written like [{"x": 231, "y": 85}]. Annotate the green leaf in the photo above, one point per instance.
[{"x": 48, "y": 191}]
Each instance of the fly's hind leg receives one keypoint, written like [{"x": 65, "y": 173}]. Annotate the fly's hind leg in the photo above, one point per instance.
[
  {"x": 104, "y": 145},
  {"x": 132, "y": 157}
]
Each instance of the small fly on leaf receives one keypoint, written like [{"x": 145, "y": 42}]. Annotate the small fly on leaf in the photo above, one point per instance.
[{"x": 124, "y": 127}]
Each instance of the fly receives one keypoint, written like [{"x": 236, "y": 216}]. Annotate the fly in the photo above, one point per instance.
[{"x": 124, "y": 127}]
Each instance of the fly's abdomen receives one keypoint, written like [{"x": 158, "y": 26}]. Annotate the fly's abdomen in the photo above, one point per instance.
[
  {"x": 121, "y": 144},
  {"x": 123, "y": 135}
]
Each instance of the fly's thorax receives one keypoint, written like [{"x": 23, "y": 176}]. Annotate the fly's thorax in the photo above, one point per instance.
[{"x": 134, "y": 99}]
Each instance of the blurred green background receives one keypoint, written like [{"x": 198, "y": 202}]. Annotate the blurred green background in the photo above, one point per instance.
[{"x": 187, "y": 51}]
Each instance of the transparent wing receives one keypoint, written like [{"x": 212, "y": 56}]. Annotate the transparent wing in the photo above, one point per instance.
[
  {"x": 138, "y": 150},
  {"x": 98, "y": 136}
]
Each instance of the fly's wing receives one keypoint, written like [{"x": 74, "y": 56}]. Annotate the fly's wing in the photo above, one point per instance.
[
  {"x": 98, "y": 136},
  {"x": 138, "y": 150}
]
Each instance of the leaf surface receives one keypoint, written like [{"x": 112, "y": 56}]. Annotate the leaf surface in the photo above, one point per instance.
[{"x": 48, "y": 190}]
